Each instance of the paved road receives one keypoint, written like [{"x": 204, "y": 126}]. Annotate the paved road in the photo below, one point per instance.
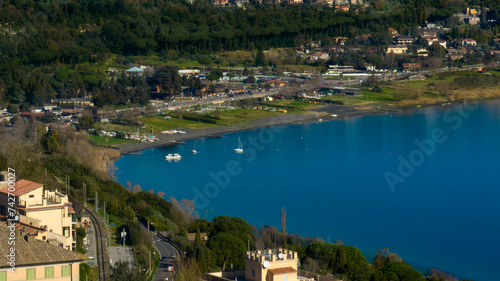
[
  {"x": 178, "y": 104},
  {"x": 172, "y": 258},
  {"x": 91, "y": 251},
  {"x": 166, "y": 250}
]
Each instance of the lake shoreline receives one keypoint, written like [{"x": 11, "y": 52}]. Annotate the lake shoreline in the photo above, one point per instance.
[{"x": 319, "y": 114}]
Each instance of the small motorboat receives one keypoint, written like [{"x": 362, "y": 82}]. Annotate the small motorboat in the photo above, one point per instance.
[{"x": 173, "y": 157}]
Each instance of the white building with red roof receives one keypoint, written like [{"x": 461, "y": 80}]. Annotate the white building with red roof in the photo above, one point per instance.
[{"x": 470, "y": 42}]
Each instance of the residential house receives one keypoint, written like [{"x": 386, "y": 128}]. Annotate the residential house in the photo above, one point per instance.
[
  {"x": 472, "y": 20},
  {"x": 319, "y": 56},
  {"x": 404, "y": 40},
  {"x": 192, "y": 236},
  {"x": 422, "y": 52},
  {"x": 342, "y": 8},
  {"x": 36, "y": 260},
  {"x": 5, "y": 116},
  {"x": 276, "y": 82},
  {"x": 412, "y": 66},
  {"x": 52, "y": 109},
  {"x": 442, "y": 43},
  {"x": 456, "y": 54},
  {"x": 469, "y": 42},
  {"x": 48, "y": 210},
  {"x": 433, "y": 39},
  {"x": 428, "y": 33},
  {"x": 28, "y": 114},
  {"x": 340, "y": 40},
  {"x": 397, "y": 49},
  {"x": 430, "y": 25}
]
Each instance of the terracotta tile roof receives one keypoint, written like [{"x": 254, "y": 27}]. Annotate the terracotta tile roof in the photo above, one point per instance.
[
  {"x": 22, "y": 187},
  {"x": 35, "y": 114},
  {"x": 32, "y": 230},
  {"x": 34, "y": 252},
  {"x": 282, "y": 270}
]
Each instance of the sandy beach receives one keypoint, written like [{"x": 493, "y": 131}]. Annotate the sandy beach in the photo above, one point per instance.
[{"x": 313, "y": 115}]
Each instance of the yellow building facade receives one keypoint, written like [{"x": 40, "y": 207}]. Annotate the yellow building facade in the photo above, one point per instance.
[
  {"x": 31, "y": 259},
  {"x": 47, "y": 210},
  {"x": 271, "y": 265}
]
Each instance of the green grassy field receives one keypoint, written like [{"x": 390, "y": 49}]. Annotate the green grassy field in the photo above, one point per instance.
[
  {"x": 158, "y": 123},
  {"x": 99, "y": 140},
  {"x": 242, "y": 115}
]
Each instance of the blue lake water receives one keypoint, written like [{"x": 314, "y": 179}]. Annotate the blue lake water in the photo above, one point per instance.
[{"x": 424, "y": 183}]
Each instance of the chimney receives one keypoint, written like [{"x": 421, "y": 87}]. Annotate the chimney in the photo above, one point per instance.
[{"x": 28, "y": 238}]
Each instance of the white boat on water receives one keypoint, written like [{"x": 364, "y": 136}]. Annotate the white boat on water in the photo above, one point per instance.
[
  {"x": 173, "y": 157},
  {"x": 240, "y": 147},
  {"x": 194, "y": 149}
]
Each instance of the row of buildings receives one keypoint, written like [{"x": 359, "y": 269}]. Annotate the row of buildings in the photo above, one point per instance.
[{"x": 44, "y": 225}]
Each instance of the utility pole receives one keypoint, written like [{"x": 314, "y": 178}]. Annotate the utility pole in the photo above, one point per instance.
[
  {"x": 85, "y": 194},
  {"x": 109, "y": 231},
  {"x": 96, "y": 202}
]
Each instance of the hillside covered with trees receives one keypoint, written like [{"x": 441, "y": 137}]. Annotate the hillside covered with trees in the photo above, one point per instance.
[{"x": 60, "y": 49}]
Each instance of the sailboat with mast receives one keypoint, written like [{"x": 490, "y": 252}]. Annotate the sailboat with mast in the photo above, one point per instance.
[
  {"x": 240, "y": 147},
  {"x": 194, "y": 151}
]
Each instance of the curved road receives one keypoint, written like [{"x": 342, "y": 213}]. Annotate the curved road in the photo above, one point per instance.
[
  {"x": 167, "y": 250},
  {"x": 172, "y": 258}
]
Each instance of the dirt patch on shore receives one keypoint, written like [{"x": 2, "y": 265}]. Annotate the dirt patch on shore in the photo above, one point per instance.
[
  {"x": 476, "y": 93},
  {"x": 422, "y": 101},
  {"x": 339, "y": 110}
]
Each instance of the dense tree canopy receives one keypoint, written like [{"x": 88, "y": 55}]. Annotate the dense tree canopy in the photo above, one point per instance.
[{"x": 46, "y": 46}]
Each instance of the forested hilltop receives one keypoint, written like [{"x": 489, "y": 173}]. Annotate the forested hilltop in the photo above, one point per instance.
[
  {"x": 55, "y": 49},
  {"x": 46, "y": 31}
]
